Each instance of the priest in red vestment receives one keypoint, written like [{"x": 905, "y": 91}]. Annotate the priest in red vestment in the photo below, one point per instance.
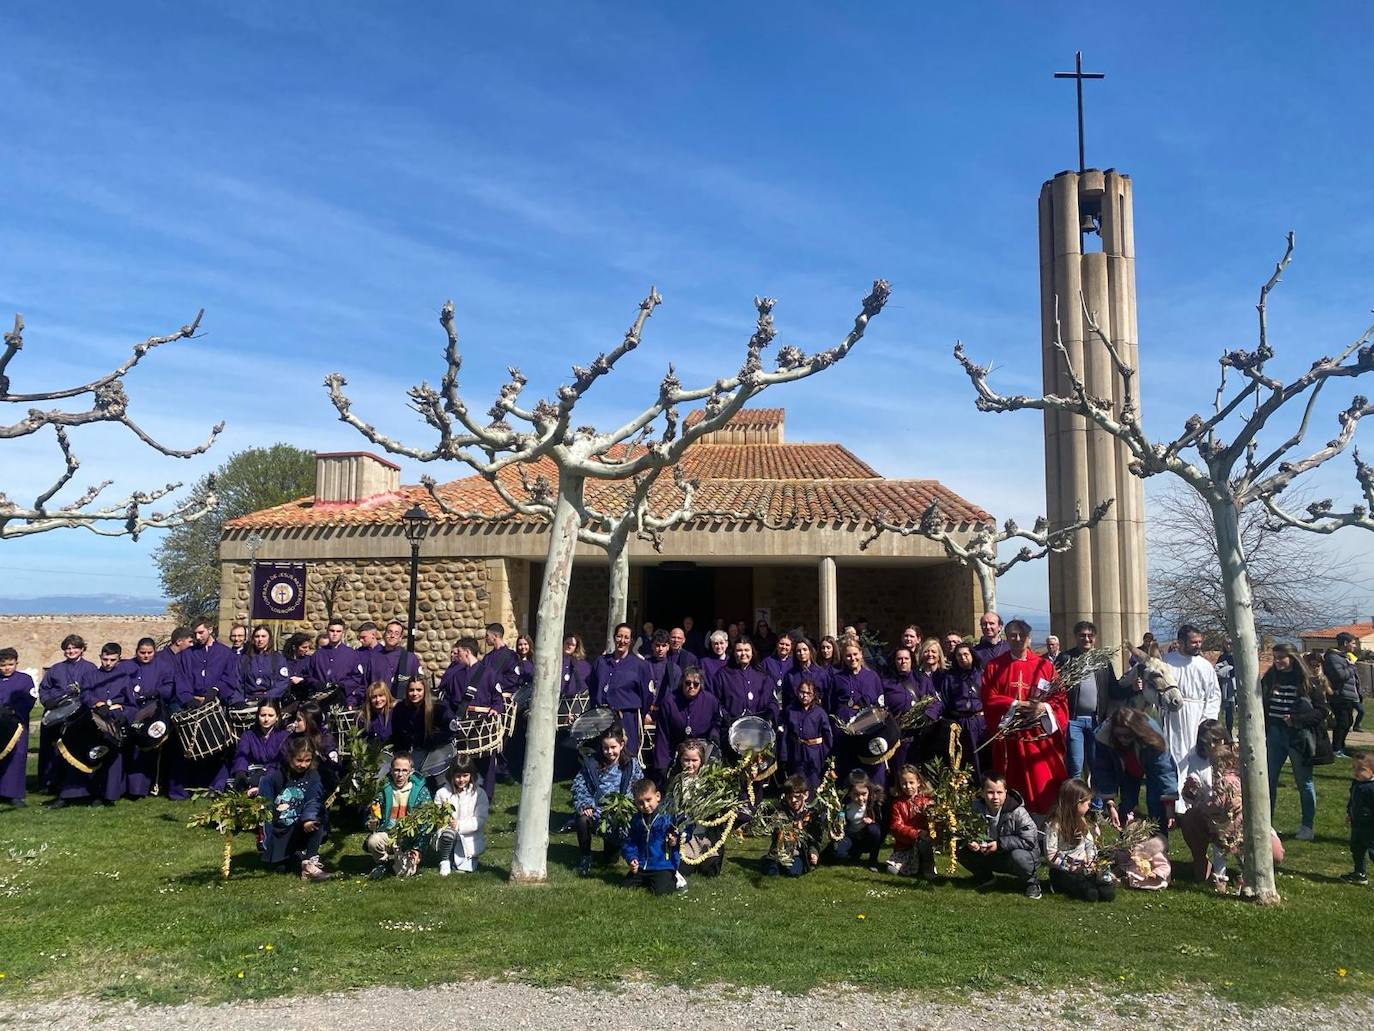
[{"x": 1032, "y": 758}]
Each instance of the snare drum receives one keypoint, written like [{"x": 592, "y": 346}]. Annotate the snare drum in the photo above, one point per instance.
[
  {"x": 83, "y": 743},
  {"x": 479, "y": 735},
  {"x": 343, "y": 722},
  {"x": 149, "y": 727},
  {"x": 242, "y": 716},
  {"x": 60, "y": 713},
  {"x": 203, "y": 731},
  {"x": 571, "y": 707},
  {"x": 755, "y": 734},
  {"x": 876, "y": 734}
]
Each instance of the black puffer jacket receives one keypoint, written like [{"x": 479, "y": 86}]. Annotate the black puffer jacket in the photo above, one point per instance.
[{"x": 1341, "y": 675}]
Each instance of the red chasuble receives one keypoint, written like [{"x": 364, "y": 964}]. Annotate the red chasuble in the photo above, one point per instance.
[{"x": 1032, "y": 760}]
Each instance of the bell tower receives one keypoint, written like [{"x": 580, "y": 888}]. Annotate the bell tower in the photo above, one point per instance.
[{"x": 1087, "y": 251}]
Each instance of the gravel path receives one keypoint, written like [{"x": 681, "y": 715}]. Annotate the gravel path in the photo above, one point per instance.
[{"x": 501, "y": 1006}]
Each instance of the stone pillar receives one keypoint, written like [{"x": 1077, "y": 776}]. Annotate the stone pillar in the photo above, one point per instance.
[
  {"x": 829, "y": 607},
  {"x": 1103, "y": 576}
]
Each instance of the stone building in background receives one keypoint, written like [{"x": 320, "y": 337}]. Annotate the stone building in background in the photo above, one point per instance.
[{"x": 810, "y": 574}]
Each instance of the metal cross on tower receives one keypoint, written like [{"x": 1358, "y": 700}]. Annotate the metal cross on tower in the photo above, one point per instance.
[{"x": 1079, "y": 75}]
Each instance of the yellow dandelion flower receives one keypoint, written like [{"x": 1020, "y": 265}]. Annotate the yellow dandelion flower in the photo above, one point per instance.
[
  {"x": 240, "y": 975},
  {"x": 861, "y": 916},
  {"x": 268, "y": 946},
  {"x": 1340, "y": 971}
]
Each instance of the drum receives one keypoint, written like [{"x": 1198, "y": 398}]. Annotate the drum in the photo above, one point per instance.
[
  {"x": 648, "y": 733},
  {"x": 434, "y": 763},
  {"x": 203, "y": 731},
  {"x": 148, "y": 729},
  {"x": 479, "y": 735},
  {"x": 755, "y": 734},
  {"x": 326, "y": 696},
  {"x": 112, "y": 726},
  {"x": 588, "y": 727},
  {"x": 508, "y": 714},
  {"x": 11, "y": 729},
  {"x": 876, "y": 733},
  {"x": 241, "y": 716},
  {"x": 83, "y": 743},
  {"x": 523, "y": 696},
  {"x": 570, "y": 707},
  {"x": 60, "y": 713}
]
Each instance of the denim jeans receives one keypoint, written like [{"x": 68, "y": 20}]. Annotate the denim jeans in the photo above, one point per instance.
[
  {"x": 1079, "y": 746},
  {"x": 1280, "y": 751}
]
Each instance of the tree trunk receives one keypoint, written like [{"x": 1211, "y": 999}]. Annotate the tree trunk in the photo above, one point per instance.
[
  {"x": 987, "y": 585},
  {"x": 530, "y": 860},
  {"x": 619, "y": 554},
  {"x": 1257, "y": 855}
]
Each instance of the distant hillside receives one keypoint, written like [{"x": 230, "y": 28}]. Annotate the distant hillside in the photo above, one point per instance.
[{"x": 56, "y": 604}]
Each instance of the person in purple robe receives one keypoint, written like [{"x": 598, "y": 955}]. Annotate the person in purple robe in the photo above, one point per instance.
[
  {"x": 678, "y": 652},
  {"x": 664, "y": 674},
  {"x": 805, "y": 667},
  {"x": 298, "y": 653},
  {"x": 687, "y": 711},
  {"x": 744, "y": 689},
  {"x": 620, "y": 682},
  {"x": 369, "y": 640},
  {"x": 902, "y": 690},
  {"x": 391, "y": 663},
  {"x": 453, "y": 685},
  {"x": 105, "y": 691},
  {"x": 18, "y": 693},
  {"x": 853, "y": 687},
  {"x": 481, "y": 696},
  {"x": 716, "y": 659},
  {"x": 961, "y": 695},
  {"x": 238, "y": 638},
  {"x": 576, "y": 669},
  {"x": 61, "y": 683},
  {"x": 337, "y": 667},
  {"x": 991, "y": 644},
  {"x": 376, "y": 714},
  {"x": 692, "y": 638},
  {"x": 151, "y": 681},
  {"x": 206, "y": 671},
  {"x": 806, "y": 740},
  {"x": 261, "y": 747},
  {"x": 524, "y": 656},
  {"x": 309, "y": 727},
  {"x": 263, "y": 672},
  {"x": 778, "y": 664},
  {"x": 500, "y": 663},
  {"x": 910, "y": 639},
  {"x": 828, "y": 653}
]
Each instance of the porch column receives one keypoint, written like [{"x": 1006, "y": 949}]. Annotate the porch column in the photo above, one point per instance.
[{"x": 829, "y": 608}]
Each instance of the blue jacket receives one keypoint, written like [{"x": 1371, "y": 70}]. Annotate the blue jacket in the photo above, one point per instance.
[
  {"x": 648, "y": 845},
  {"x": 594, "y": 782},
  {"x": 1161, "y": 772},
  {"x": 293, "y": 799}
]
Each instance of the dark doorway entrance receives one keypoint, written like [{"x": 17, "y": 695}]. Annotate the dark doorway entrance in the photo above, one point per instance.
[{"x": 671, "y": 592}]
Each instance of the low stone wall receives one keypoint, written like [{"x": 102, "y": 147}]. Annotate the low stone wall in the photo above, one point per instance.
[{"x": 38, "y": 637}]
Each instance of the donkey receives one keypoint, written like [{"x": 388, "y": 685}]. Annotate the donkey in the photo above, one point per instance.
[{"x": 1152, "y": 681}]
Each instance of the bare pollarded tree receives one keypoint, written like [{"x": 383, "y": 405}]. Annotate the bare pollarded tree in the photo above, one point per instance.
[
  {"x": 655, "y": 438},
  {"x": 1228, "y": 475},
  {"x": 108, "y": 403},
  {"x": 1322, "y": 516},
  {"x": 980, "y": 550}
]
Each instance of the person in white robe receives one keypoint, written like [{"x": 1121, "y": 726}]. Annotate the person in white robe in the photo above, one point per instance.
[{"x": 1197, "y": 682}]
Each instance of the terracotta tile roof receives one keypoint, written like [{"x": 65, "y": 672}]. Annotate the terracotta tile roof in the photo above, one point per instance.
[
  {"x": 1360, "y": 630},
  {"x": 808, "y": 483},
  {"x": 745, "y": 418}
]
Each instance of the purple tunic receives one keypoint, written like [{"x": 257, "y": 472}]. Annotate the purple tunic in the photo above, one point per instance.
[
  {"x": 208, "y": 671},
  {"x": 900, "y": 694},
  {"x": 258, "y": 749},
  {"x": 711, "y": 667},
  {"x": 339, "y": 664},
  {"x": 850, "y": 692},
  {"x": 683, "y": 659},
  {"x": 664, "y": 676},
  {"x": 622, "y": 684},
  {"x": 148, "y": 682},
  {"x": 453, "y": 686},
  {"x": 777, "y": 670},
  {"x": 574, "y": 678},
  {"x": 383, "y": 663},
  {"x": 745, "y": 692},
  {"x": 819, "y": 675},
  {"x": 106, "y": 689},
  {"x": 62, "y": 680},
  {"x": 378, "y": 730},
  {"x": 800, "y": 727},
  {"x": 987, "y": 649},
  {"x": 961, "y": 693},
  {"x": 680, "y": 718},
  {"x": 501, "y": 667},
  {"x": 18, "y": 692},
  {"x": 263, "y": 675}
]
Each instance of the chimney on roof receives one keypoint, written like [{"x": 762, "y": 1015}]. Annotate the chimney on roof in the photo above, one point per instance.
[{"x": 348, "y": 477}]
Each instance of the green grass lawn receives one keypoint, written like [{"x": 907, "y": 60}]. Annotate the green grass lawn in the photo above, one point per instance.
[{"x": 125, "y": 903}]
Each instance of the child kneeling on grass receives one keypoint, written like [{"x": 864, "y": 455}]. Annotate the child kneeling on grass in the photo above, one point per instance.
[
  {"x": 401, "y": 793},
  {"x": 1071, "y": 845},
  {"x": 613, "y": 774},
  {"x": 651, "y": 844},
  {"x": 863, "y": 822},
  {"x": 912, "y": 851},
  {"x": 796, "y": 847},
  {"x": 292, "y": 837},
  {"x": 462, "y": 841},
  {"x": 1012, "y": 843}
]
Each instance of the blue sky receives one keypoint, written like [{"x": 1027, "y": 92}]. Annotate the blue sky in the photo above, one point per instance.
[{"x": 321, "y": 177}]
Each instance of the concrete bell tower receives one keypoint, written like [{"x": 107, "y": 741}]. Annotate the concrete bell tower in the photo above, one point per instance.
[{"x": 1087, "y": 248}]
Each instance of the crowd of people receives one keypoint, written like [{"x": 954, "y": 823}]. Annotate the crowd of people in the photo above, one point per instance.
[{"x": 1059, "y": 747}]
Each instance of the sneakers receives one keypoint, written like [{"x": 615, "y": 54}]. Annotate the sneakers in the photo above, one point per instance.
[
  {"x": 406, "y": 865},
  {"x": 584, "y": 866},
  {"x": 1220, "y": 885},
  {"x": 445, "y": 868},
  {"x": 1355, "y": 878},
  {"x": 679, "y": 882},
  {"x": 313, "y": 870},
  {"x": 378, "y": 872},
  {"x": 1305, "y": 834},
  {"x": 1033, "y": 890},
  {"x": 1341, "y": 754}
]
